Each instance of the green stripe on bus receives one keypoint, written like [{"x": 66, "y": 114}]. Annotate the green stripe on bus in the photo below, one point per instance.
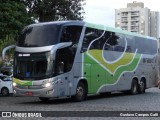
[
  {"x": 23, "y": 83},
  {"x": 91, "y": 71}
]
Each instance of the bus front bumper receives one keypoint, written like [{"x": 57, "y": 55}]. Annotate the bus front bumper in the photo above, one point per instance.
[{"x": 44, "y": 92}]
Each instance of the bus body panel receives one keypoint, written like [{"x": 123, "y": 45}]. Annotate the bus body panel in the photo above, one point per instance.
[{"x": 104, "y": 69}]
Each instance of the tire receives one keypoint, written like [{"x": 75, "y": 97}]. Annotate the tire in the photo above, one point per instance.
[
  {"x": 81, "y": 92},
  {"x": 134, "y": 87},
  {"x": 142, "y": 86},
  {"x": 5, "y": 92},
  {"x": 44, "y": 99}
]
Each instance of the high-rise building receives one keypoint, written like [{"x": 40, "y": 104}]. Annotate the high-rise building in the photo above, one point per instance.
[{"x": 139, "y": 19}]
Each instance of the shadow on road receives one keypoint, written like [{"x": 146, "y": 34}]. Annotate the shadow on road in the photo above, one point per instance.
[{"x": 69, "y": 100}]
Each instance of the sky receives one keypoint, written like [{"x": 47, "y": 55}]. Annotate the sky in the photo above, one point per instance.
[{"x": 103, "y": 11}]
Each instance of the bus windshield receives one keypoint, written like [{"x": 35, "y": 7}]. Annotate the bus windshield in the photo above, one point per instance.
[
  {"x": 33, "y": 66},
  {"x": 39, "y": 35}
]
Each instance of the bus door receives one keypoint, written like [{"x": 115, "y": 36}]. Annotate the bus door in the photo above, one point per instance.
[
  {"x": 61, "y": 71},
  {"x": 154, "y": 69},
  {"x": 63, "y": 84}
]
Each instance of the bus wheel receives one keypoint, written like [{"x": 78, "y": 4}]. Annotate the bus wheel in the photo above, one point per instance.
[
  {"x": 134, "y": 87},
  {"x": 80, "y": 92},
  {"x": 142, "y": 86},
  {"x": 5, "y": 92},
  {"x": 44, "y": 99}
]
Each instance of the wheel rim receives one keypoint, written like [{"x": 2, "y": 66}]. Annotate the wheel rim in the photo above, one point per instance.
[
  {"x": 135, "y": 89},
  {"x": 142, "y": 85},
  {"x": 80, "y": 91},
  {"x": 4, "y": 92}
]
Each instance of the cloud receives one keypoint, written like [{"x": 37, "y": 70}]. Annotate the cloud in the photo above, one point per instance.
[{"x": 99, "y": 13}]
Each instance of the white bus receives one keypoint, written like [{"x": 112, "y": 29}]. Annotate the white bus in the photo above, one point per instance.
[{"x": 76, "y": 59}]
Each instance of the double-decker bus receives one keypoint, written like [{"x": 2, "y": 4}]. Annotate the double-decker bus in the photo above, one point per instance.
[{"x": 76, "y": 59}]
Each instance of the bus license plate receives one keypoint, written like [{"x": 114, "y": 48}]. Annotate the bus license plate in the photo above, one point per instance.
[{"x": 29, "y": 93}]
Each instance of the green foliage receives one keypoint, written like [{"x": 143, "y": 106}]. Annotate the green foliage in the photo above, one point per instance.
[
  {"x": 53, "y": 10},
  {"x": 9, "y": 40},
  {"x": 16, "y": 14},
  {"x": 13, "y": 17},
  {"x": 6, "y": 42}
]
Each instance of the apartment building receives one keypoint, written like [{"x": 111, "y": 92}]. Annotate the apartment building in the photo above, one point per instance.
[{"x": 139, "y": 19}]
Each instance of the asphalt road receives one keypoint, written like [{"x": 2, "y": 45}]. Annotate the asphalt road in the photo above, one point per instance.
[{"x": 150, "y": 101}]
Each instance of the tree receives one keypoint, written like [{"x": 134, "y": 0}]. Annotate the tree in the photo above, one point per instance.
[
  {"x": 53, "y": 10},
  {"x": 13, "y": 17}
]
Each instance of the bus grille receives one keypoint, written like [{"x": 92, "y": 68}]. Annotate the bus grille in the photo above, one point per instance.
[{"x": 30, "y": 87}]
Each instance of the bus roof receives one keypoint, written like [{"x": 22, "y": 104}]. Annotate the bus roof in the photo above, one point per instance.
[
  {"x": 59, "y": 23},
  {"x": 91, "y": 25},
  {"x": 102, "y": 27}
]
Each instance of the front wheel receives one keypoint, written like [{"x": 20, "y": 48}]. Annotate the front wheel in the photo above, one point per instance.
[
  {"x": 80, "y": 92},
  {"x": 44, "y": 99},
  {"x": 5, "y": 92}
]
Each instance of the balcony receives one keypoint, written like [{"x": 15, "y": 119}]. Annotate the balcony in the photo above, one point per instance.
[
  {"x": 134, "y": 19},
  {"x": 124, "y": 20},
  {"x": 134, "y": 14},
  {"x": 135, "y": 29},
  {"x": 134, "y": 24},
  {"x": 124, "y": 24},
  {"x": 124, "y": 15},
  {"x": 124, "y": 28}
]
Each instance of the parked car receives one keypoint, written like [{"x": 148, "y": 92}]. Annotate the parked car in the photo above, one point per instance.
[
  {"x": 5, "y": 85},
  {"x": 7, "y": 71}
]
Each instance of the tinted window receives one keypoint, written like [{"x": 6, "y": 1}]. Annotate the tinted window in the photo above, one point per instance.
[
  {"x": 5, "y": 78},
  {"x": 39, "y": 35},
  {"x": 100, "y": 39},
  {"x": 71, "y": 34},
  {"x": 154, "y": 47},
  {"x": 6, "y": 71},
  {"x": 130, "y": 43},
  {"x": 33, "y": 66},
  {"x": 111, "y": 41},
  {"x": 92, "y": 36},
  {"x": 67, "y": 55},
  {"x": 120, "y": 42}
]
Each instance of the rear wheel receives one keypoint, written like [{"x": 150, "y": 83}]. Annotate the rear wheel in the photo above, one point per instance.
[
  {"x": 44, "y": 99},
  {"x": 142, "y": 86},
  {"x": 5, "y": 92},
  {"x": 134, "y": 87},
  {"x": 81, "y": 92}
]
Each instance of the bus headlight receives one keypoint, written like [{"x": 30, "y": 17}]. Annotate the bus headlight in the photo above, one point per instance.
[
  {"x": 47, "y": 85},
  {"x": 14, "y": 84}
]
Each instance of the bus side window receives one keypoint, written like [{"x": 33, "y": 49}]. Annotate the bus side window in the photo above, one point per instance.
[
  {"x": 91, "y": 35},
  {"x": 71, "y": 34}
]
